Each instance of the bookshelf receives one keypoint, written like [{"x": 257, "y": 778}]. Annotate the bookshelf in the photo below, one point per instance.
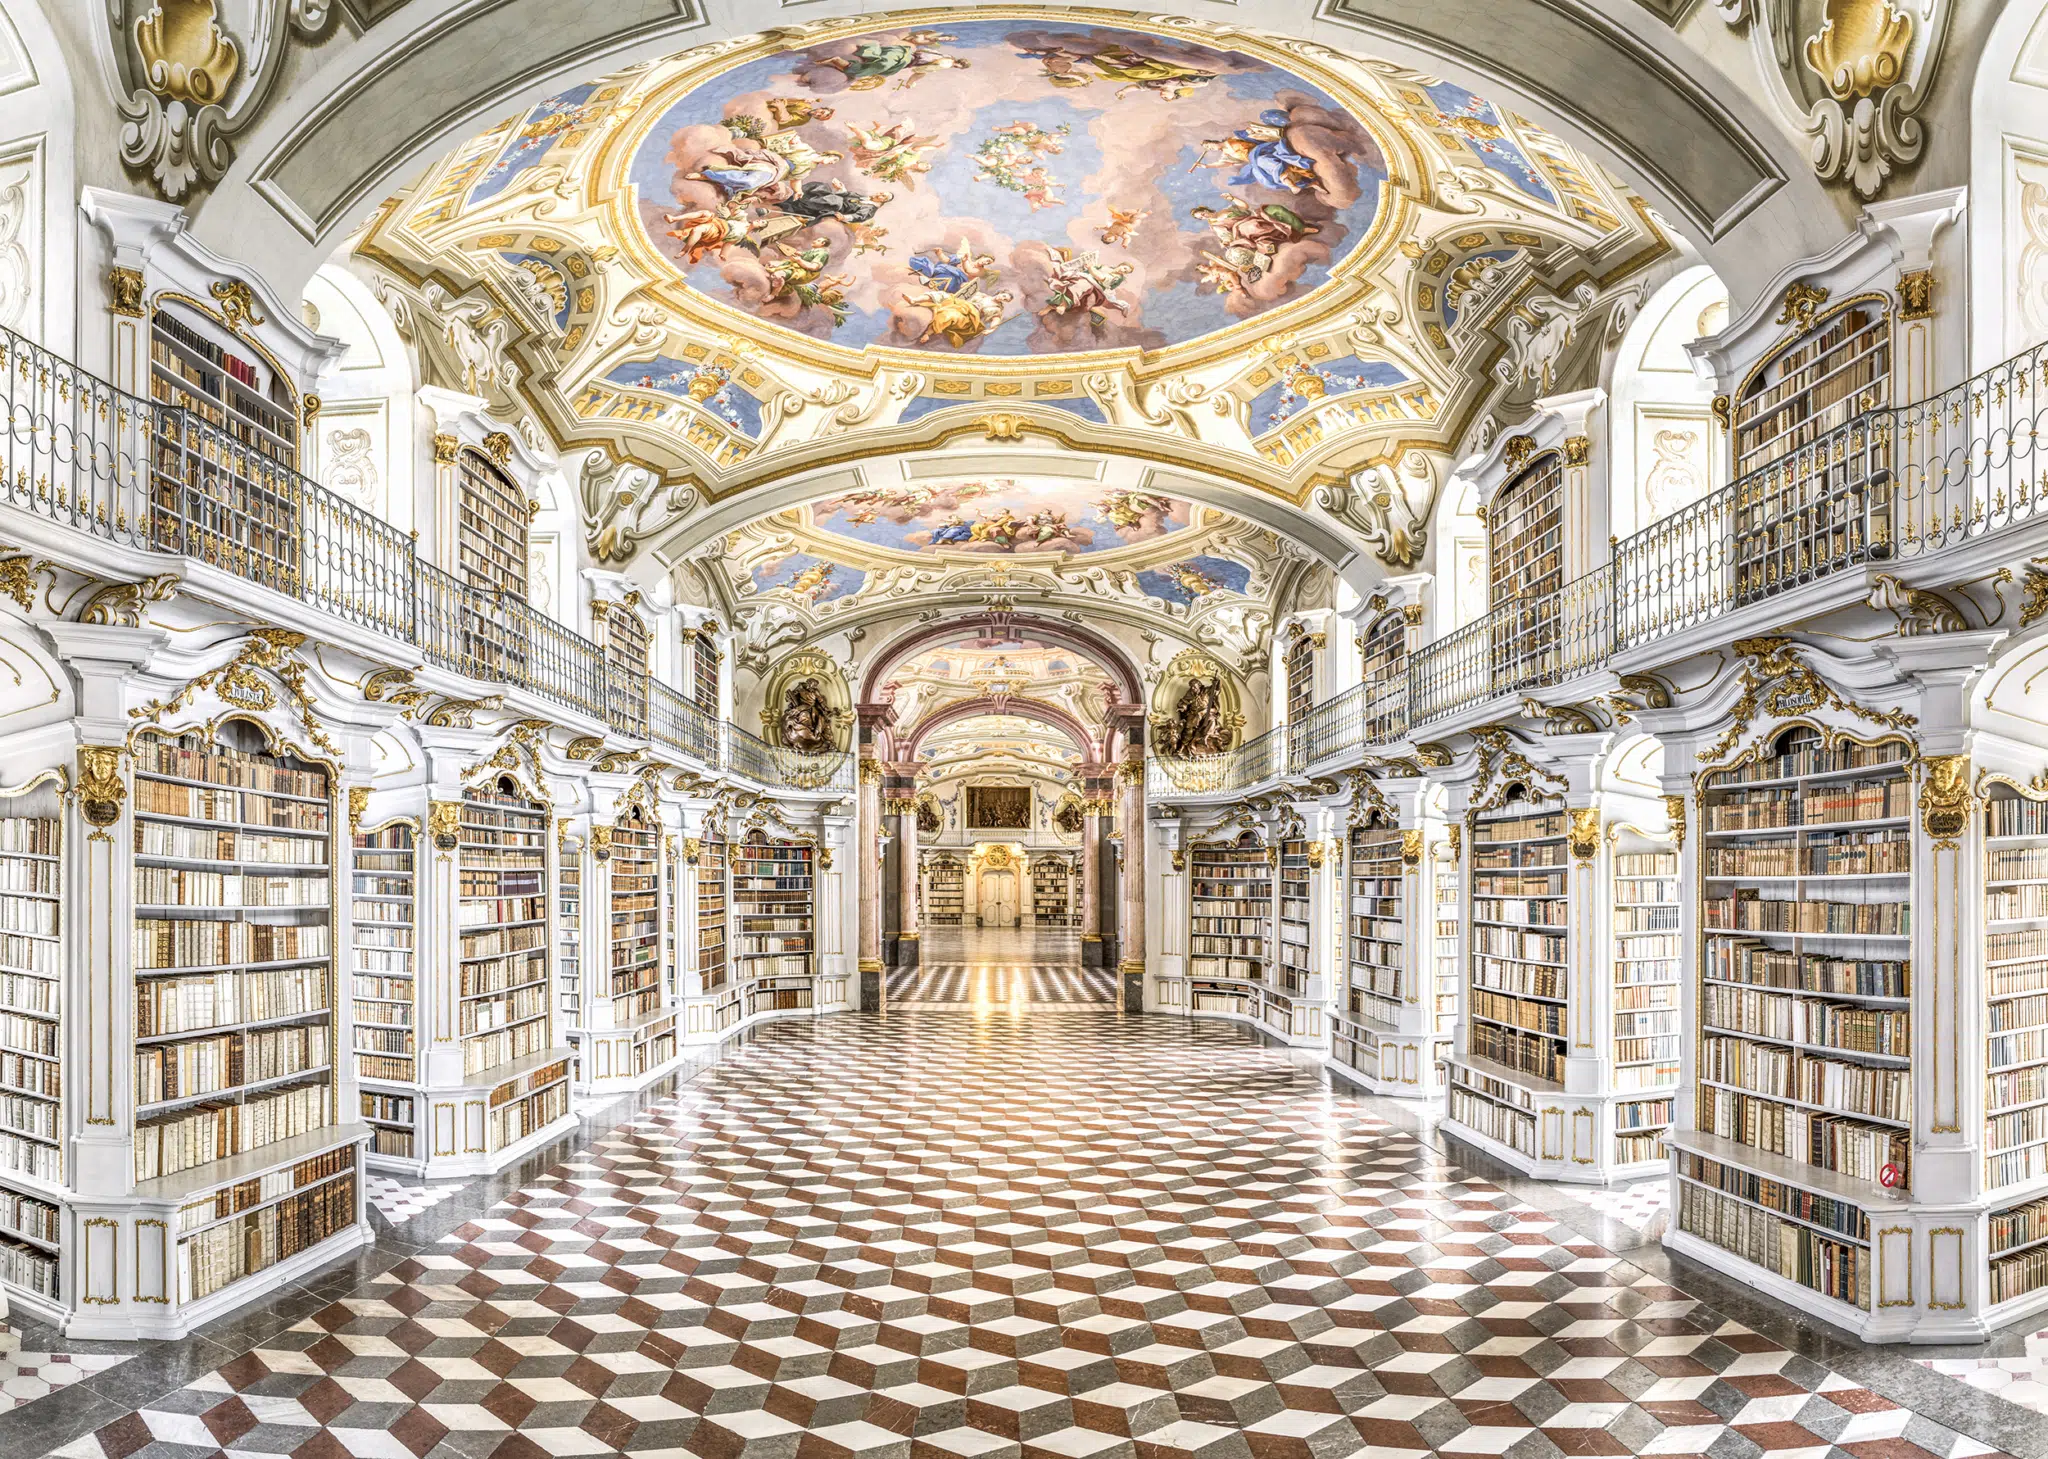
[
  {"x": 1049, "y": 892},
  {"x": 236, "y": 1120},
  {"x": 1793, "y": 522},
  {"x": 1802, "y": 1103},
  {"x": 1383, "y": 669},
  {"x": 1301, "y": 677},
  {"x": 1446, "y": 959},
  {"x": 31, "y": 1036},
  {"x": 383, "y": 936},
  {"x": 502, "y": 988},
  {"x": 491, "y": 556},
  {"x": 705, "y": 668},
  {"x": 1518, "y": 942},
  {"x": 569, "y": 928},
  {"x": 773, "y": 899},
  {"x": 1377, "y": 926},
  {"x": 1383, "y": 1026},
  {"x": 1525, "y": 562},
  {"x": 1230, "y": 925},
  {"x": 244, "y": 508},
  {"x": 634, "y": 943},
  {"x": 945, "y": 895},
  {"x": 2015, "y": 1154},
  {"x": 1646, "y": 994},
  {"x": 715, "y": 977}
]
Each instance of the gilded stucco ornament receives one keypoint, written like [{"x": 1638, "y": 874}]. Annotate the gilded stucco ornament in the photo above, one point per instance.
[
  {"x": 100, "y": 790},
  {"x": 1778, "y": 684},
  {"x": 1945, "y": 798},
  {"x": 1388, "y": 506},
  {"x": 444, "y": 823},
  {"x": 1674, "y": 810},
  {"x": 1854, "y": 74},
  {"x": 1583, "y": 835},
  {"x": 122, "y": 605},
  {"x": 358, "y": 803},
  {"x": 1411, "y": 847},
  {"x": 19, "y": 575}
]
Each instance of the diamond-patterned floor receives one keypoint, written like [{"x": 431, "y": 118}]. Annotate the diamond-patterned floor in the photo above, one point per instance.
[
  {"x": 1061, "y": 1234},
  {"x": 1001, "y": 966}
]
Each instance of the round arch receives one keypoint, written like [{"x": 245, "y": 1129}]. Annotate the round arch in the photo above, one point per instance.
[
  {"x": 1046, "y": 714},
  {"x": 351, "y": 131},
  {"x": 1105, "y": 653}
]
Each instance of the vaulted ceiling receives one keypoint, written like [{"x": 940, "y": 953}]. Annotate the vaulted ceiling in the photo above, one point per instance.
[{"x": 798, "y": 257}]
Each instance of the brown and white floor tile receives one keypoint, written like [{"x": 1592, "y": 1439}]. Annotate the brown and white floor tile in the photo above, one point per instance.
[{"x": 938, "y": 1234}]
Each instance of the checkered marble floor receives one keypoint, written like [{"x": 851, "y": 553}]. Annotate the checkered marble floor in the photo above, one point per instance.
[
  {"x": 26, "y": 1376},
  {"x": 2022, "y": 1380},
  {"x": 957, "y": 983},
  {"x": 960, "y": 1234},
  {"x": 398, "y": 1202}
]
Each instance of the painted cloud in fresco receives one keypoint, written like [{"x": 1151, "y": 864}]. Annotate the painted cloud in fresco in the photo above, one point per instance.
[
  {"x": 809, "y": 579},
  {"x": 996, "y": 187},
  {"x": 1193, "y": 578},
  {"x": 1000, "y": 515}
]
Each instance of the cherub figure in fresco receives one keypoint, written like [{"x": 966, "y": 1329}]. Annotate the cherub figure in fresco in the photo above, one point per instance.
[
  {"x": 867, "y": 238},
  {"x": 707, "y": 232},
  {"x": 791, "y": 112},
  {"x": 874, "y": 62},
  {"x": 1122, "y": 231},
  {"x": 960, "y": 271},
  {"x": 812, "y": 581},
  {"x": 1190, "y": 579},
  {"x": 894, "y": 153},
  {"x": 1080, "y": 283},
  {"x": 960, "y": 318},
  {"x": 1261, "y": 155},
  {"x": 1168, "y": 80},
  {"x": 1127, "y": 509},
  {"x": 1040, "y": 189}
]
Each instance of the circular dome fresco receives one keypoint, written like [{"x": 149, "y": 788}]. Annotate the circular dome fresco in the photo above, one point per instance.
[{"x": 1005, "y": 187}]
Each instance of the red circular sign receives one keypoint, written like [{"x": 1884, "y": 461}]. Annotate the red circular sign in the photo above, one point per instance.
[{"x": 1889, "y": 1176}]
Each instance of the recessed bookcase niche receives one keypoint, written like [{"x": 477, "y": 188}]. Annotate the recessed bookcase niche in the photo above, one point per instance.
[
  {"x": 1798, "y": 1164},
  {"x": 1818, "y": 509},
  {"x": 774, "y": 900},
  {"x": 384, "y": 931},
  {"x": 1647, "y": 960},
  {"x": 569, "y": 939},
  {"x": 1230, "y": 925},
  {"x": 238, "y": 1134},
  {"x": 945, "y": 890},
  {"x": 630, "y": 1028},
  {"x": 225, "y": 489},
  {"x": 1525, "y": 563},
  {"x": 1383, "y": 1017},
  {"x": 2015, "y": 1176},
  {"x": 32, "y": 1014},
  {"x": 722, "y": 1004}
]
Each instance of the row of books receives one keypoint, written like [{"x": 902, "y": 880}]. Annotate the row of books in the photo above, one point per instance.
[
  {"x": 2015, "y": 863},
  {"x": 230, "y": 807},
  {"x": 2003, "y": 946},
  {"x": 27, "y": 1115},
  {"x": 201, "y": 843},
  {"x": 2025, "y": 1046},
  {"x": 1521, "y": 828},
  {"x": 1737, "y": 961},
  {"x": 1833, "y": 1268},
  {"x": 1540, "y": 947},
  {"x": 1781, "y": 1016},
  {"x": 36, "y": 1074},
  {"x": 2009, "y": 1014},
  {"x": 1841, "y": 853},
  {"x": 169, "y": 886},
  {"x": 38, "y": 918},
  {"x": 1513, "y": 977},
  {"x": 1531, "y": 1053},
  {"x": 481, "y": 1015},
  {"x": 1751, "y": 913},
  {"x": 224, "y": 1254},
  {"x": 496, "y": 911},
  {"x": 22, "y": 1034},
  {"x": 2020, "y": 1127},
  {"x": 2011, "y": 903},
  {"x": 29, "y": 835},
  {"x": 163, "y": 943},
  {"x": 40, "y": 1159},
  {"x": 26, "y": 993},
  {"x": 485, "y": 1051},
  {"x": 1547, "y": 1018},
  {"x": 20, "y": 874},
  {"x": 516, "y": 1119},
  {"x": 36, "y": 955},
  {"x": 1642, "y": 1114},
  {"x": 228, "y": 1061},
  {"x": 181, "y": 1142},
  {"x": 1788, "y": 1074},
  {"x": 1811, "y": 759},
  {"x": 194, "y": 757},
  {"x": 1518, "y": 912},
  {"x": 2019, "y": 977},
  {"x": 1843, "y": 1217},
  {"x": 29, "y": 1216},
  {"x": 211, "y": 1000},
  {"x": 1812, "y": 805},
  {"x": 1824, "y": 1141},
  {"x": 1509, "y": 1127},
  {"x": 244, "y": 1195}
]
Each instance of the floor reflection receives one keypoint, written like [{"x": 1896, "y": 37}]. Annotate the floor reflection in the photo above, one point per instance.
[{"x": 992, "y": 969}]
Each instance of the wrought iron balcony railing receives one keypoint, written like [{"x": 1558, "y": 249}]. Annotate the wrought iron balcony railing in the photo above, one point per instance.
[
  {"x": 1251, "y": 763},
  {"x": 1893, "y": 485},
  {"x": 79, "y": 453}
]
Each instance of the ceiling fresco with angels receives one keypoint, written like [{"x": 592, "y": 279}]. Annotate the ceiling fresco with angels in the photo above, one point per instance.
[
  {"x": 1006, "y": 188},
  {"x": 1000, "y": 515},
  {"x": 1151, "y": 238}
]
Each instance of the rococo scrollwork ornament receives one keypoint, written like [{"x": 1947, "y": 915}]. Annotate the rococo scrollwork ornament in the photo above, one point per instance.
[
  {"x": 1853, "y": 75},
  {"x": 1945, "y": 798},
  {"x": 187, "y": 84},
  {"x": 100, "y": 791}
]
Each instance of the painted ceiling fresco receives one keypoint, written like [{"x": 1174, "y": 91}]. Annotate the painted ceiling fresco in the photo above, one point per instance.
[
  {"x": 1001, "y": 515},
  {"x": 1006, "y": 188},
  {"x": 1012, "y": 659}
]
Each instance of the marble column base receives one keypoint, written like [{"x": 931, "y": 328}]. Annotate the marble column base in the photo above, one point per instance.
[{"x": 1091, "y": 951}]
